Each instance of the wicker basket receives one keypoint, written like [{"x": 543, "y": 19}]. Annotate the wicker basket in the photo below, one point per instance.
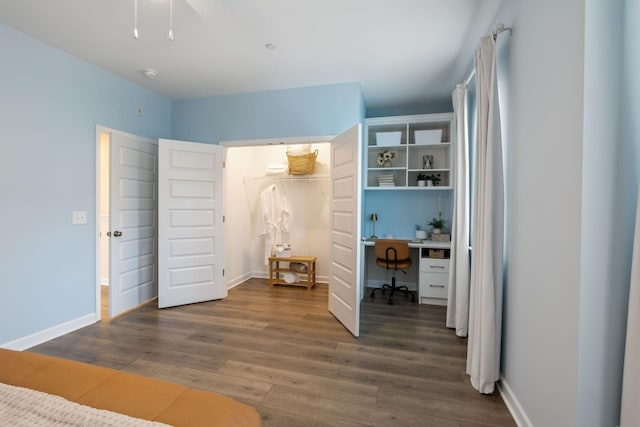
[
  {"x": 442, "y": 237},
  {"x": 302, "y": 165}
]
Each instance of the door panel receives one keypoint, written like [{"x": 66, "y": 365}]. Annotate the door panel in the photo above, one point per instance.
[
  {"x": 133, "y": 211},
  {"x": 344, "y": 288},
  {"x": 190, "y": 223}
]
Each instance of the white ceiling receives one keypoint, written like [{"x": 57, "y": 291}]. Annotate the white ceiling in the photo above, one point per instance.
[{"x": 404, "y": 53}]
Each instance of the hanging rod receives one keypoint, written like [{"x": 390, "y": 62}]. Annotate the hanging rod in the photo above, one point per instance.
[
  {"x": 499, "y": 28},
  {"x": 290, "y": 178}
]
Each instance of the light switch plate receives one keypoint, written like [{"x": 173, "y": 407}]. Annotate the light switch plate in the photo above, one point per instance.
[{"x": 79, "y": 217}]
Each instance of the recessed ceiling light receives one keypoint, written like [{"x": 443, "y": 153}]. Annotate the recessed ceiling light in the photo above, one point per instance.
[
  {"x": 150, "y": 73},
  {"x": 270, "y": 46}
]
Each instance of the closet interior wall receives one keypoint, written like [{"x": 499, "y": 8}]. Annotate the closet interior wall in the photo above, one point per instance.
[{"x": 308, "y": 200}]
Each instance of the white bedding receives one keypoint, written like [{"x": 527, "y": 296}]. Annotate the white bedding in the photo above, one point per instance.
[{"x": 23, "y": 407}]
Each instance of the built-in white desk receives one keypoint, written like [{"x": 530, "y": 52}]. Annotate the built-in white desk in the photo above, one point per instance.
[{"x": 428, "y": 274}]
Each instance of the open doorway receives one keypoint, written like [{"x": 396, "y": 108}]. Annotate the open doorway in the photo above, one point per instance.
[
  {"x": 251, "y": 169},
  {"x": 102, "y": 292}
]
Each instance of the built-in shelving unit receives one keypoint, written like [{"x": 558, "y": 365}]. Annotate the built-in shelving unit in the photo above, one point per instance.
[{"x": 420, "y": 144}]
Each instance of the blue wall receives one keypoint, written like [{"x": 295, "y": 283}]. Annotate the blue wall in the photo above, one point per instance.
[
  {"x": 399, "y": 211},
  {"x": 309, "y": 111},
  {"x": 50, "y": 104}
]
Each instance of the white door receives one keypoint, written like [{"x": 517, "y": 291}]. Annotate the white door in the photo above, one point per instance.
[
  {"x": 133, "y": 208},
  {"x": 344, "y": 287},
  {"x": 190, "y": 246}
]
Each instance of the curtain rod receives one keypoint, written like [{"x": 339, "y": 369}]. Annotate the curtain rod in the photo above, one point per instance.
[
  {"x": 468, "y": 79},
  {"x": 499, "y": 28}
]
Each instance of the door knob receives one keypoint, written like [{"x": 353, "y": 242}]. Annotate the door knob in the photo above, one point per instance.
[
  {"x": 117, "y": 233},
  {"x": 108, "y": 234}
]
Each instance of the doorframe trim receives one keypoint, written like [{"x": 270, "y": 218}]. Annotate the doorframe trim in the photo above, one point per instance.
[{"x": 290, "y": 140}]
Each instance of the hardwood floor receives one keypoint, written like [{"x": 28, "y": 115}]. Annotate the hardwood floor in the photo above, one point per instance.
[
  {"x": 281, "y": 351},
  {"x": 104, "y": 302}
]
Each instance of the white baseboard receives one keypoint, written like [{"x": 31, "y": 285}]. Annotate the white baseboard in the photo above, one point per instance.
[
  {"x": 259, "y": 274},
  {"x": 513, "y": 404},
  {"x": 50, "y": 333},
  {"x": 236, "y": 281}
]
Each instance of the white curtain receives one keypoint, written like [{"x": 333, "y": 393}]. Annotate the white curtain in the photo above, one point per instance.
[
  {"x": 458, "y": 305},
  {"x": 487, "y": 241},
  {"x": 631, "y": 378}
]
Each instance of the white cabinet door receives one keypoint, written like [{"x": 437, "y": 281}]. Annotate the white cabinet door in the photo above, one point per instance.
[
  {"x": 190, "y": 246},
  {"x": 344, "y": 288}
]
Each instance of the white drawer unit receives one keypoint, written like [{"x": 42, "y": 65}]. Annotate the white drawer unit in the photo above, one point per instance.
[
  {"x": 434, "y": 280},
  {"x": 434, "y": 285},
  {"x": 434, "y": 265}
]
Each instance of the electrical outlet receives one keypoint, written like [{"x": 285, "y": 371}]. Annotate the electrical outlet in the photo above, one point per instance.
[{"x": 79, "y": 217}]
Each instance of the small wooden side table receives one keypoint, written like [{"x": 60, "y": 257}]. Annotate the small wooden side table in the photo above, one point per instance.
[{"x": 275, "y": 270}]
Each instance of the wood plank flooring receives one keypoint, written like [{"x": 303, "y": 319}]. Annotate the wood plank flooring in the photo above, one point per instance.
[{"x": 281, "y": 351}]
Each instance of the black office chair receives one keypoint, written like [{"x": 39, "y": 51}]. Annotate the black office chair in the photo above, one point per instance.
[{"x": 393, "y": 255}]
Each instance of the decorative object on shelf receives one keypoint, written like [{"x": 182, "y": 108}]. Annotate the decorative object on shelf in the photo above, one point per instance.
[
  {"x": 386, "y": 180},
  {"x": 283, "y": 250},
  {"x": 373, "y": 218},
  {"x": 436, "y": 253},
  {"x": 386, "y": 139},
  {"x": 422, "y": 179},
  {"x": 421, "y": 234},
  {"x": 437, "y": 225},
  {"x": 442, "y": 237},
  {"x": 298, "y": 267},
  {"x": 427, "y": 161},
  {"x": 303, "y": 164},
  {"x": 290, "y": 278},
  {"x": 428, "y": 137},
  {"x": 435, "y": 179},
  {"x": 384, "y": 158}
]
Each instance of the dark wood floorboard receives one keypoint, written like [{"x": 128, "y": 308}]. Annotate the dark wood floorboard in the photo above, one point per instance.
[{"x": 281, "y": 351}]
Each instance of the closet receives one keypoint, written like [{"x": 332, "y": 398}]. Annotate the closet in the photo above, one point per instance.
[
  {"x": 212, "y": 209},
  {"x": 251, "y": 169}
]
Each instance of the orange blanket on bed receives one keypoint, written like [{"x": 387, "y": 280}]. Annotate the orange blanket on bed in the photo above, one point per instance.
[{"x": 128, "y": 394}]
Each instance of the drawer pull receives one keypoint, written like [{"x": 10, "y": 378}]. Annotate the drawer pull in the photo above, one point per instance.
[
  {"x": 436, "y": 266},
  {"x": 436, "y": 286}
]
